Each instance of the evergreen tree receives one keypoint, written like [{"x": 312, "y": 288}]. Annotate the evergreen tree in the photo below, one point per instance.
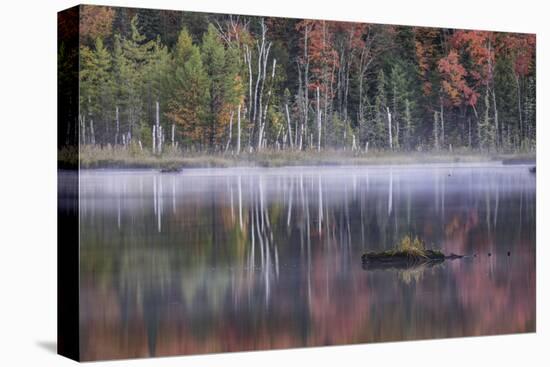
[
  {"x": 222, "y": 67},
  {"x": 189, "y": 104},
  {"x": 95, "y": 91}
]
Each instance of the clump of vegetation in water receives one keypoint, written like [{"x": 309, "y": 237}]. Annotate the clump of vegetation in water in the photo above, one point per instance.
[{"x": 409, "y": 249}]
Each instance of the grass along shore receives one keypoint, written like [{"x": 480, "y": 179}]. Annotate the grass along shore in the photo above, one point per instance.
[{"x": 109, "y": 157}]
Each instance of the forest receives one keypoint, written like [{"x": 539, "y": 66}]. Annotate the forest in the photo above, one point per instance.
[{"x": 186, "y": 82}]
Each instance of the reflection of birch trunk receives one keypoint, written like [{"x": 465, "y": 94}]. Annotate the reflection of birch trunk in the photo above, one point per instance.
[
  {"x": 488, "y": 210},
  {"x": 118, "y": 210},
  {"x": 252, "y": 237},
  {"x": 320, "y": 206},
  {"x": 443, "y": 200},
  {"x": 436, "y": 191},
  {"x": 496, "y": 206},
  {"x": 290, "y": 197},
  {"x": 408, "y": 206},
  {"x": 240, "y": 203},
  {"x": 229, "y": 185},
  {"x": 159, "y": 203},
  {"x": 174, "y": 194},
  {"x": 155, "y": 194},
  {"x": 347, "y": 217},
  {"x": 390, "y": 193}
]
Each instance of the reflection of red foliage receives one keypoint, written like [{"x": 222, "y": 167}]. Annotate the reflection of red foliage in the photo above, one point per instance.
[{"x": 324, "y": 297}]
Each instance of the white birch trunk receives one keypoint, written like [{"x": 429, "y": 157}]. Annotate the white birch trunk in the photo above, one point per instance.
[
  {"x": 230, "y": 132},
  {"x": 289, "y": 126},
  {"x": 154, "y": 139},
  {"x": 318, "y": 122},
  {"x": 442, "y": 140},
  {"x": 239, "y": 129},
  {"x": 389, "y": 128},
  {"x": 160, "y": 139},
  {"x": 157, "y": 122},
  {"x": 173, "y": 134},
  {"x": 117, "y": 125},
  {"x": 92, "y": 134}
]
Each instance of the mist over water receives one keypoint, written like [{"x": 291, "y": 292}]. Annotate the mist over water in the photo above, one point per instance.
[{"x": 213, "y": 260}]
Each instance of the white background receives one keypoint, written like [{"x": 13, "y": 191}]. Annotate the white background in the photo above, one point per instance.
[{"x": 28, "y": 182}]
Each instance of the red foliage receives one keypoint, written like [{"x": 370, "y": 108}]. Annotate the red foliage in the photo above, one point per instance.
[
  {"x": 95, "y": 21},
  {"x": 521, "y": 49},
  {"x": 454, "y": 83},
  {"x": 425, "y": 48}
]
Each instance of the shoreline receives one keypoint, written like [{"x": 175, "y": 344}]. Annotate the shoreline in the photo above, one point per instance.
[{"x": 125, "y": 159}]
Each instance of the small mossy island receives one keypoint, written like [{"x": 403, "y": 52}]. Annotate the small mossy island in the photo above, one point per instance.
[{"x": 410, "y": 252}]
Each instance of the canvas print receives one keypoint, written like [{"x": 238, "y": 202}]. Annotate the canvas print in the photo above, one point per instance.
[{"x": 237, "y": 183}]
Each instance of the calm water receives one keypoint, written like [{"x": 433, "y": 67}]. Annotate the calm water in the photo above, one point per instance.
[{"x": 213, "y": 260}]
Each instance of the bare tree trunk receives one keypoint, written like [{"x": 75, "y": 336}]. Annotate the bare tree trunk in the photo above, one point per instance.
[
  {"x": 158, "y": 129},
  {"x": 496, "y": 119},
  {"x": 82, "y": 122},
  {"x": 442, "y": 142},
  {"x": 263, "y": 120},
  {"x": 173, "y": 134},
  {"x": 389, "y": 128},
  {"x": 436, "y": 132},
  {"x": 248, "y": 58},
  {"x": 289, "y": 126},
  {"x": 117, "y": 125},
  {"x": 301, "y": 137},
  {"x": 239, "y": 129},
  {"x": 519, "y": 110},
  {"x": 161, "y": 139},
  {"x": 230, "y": 132},
  {"x": 263, "y": 55},
  {"x": 318, "y": 122},
  {"x": 92, "y": 133},
  {"x": 306, "y": 82},
  {"x": 154, "y": 139}
]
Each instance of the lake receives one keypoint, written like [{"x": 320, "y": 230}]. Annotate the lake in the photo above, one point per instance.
[{"x": 216, "y": 260}]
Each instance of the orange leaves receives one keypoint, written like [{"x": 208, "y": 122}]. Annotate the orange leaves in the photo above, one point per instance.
[
  {"x": 319, "y": 51},
  {"x": 479, "y": 46},
  {"x": 425, "y": 45},
  {"x": 96, "y": 21},
  {"x": 454, "y": 81},
  {"x": 521, "y": 48}
]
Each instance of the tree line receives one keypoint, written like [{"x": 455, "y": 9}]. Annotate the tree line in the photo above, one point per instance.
[{"x": 162, "y": 79}]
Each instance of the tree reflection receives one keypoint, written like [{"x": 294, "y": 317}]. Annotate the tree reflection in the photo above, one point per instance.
[{"x": 271, "y": 259}]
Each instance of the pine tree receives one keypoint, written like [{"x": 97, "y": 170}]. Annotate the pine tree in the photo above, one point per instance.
[
  {"x": 189, "y": 104},
  {"x": 137, "y": 53},
  {"x": 221, "y": 66},
  {"x": 95, "y": 90},
  {"x": 506, "y": 94},
  {"x": 400, "y": 93}
]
